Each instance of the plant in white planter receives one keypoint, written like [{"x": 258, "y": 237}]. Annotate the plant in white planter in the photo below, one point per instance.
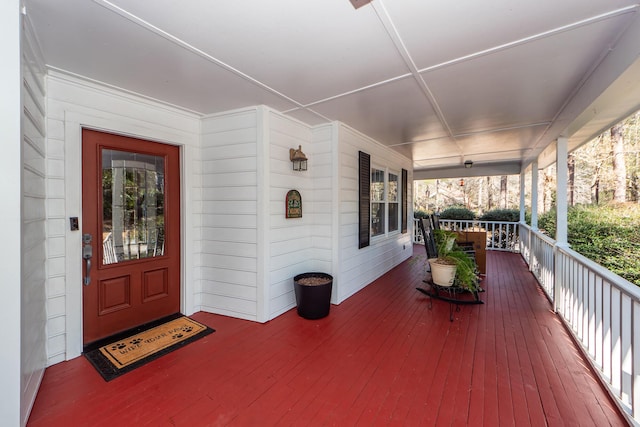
[{"x": 453, "y": 266}]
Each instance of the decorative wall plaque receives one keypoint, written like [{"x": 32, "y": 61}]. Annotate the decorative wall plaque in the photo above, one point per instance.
[{"x": 294, "y": 204}]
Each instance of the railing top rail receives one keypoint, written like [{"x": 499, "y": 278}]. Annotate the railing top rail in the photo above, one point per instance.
[
  {"x": 624, "y": 285},
  {"x": 478, "y": 220},
  {"x": 543, "y": 237}
]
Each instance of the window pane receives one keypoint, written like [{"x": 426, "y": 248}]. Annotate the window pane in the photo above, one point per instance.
[
  {"x": 393, "y": 188},
  {"x": 132, "y": 206},
  {"x": 377, "y": 219},
  {"x": 377, "y": 185},
  {"x": 393, "y": 217}
]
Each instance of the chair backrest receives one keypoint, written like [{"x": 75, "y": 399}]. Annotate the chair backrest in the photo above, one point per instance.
[
  {"x": 435, "y": 223},
  {"x": 108, "y": 251},
  {"x": 158, "y": 246},
  {"x": 427, "y": 236}
]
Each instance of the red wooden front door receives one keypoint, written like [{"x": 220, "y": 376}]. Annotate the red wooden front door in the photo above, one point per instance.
[{"x": 131, "y": 232}]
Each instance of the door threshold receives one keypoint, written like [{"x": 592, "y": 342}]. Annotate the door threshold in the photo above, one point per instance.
[{"x": 124, "y": 334}]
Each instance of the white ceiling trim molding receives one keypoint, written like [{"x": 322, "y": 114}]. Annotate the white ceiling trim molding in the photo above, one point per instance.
[
  {"x": 585, "y": 77},
  {"x": 576, "y": 111},
  {"x": 439, "y": 83},
  {"x": 480, "y": 132},
  {"x": 535, "y": 37},
  {"x": 351, "y": 92},
  {"x": 488, "y": 154},
  {"x": 128, "y": 95},
  {"x": 398, "y": 42},
  {"x": 485, "y": 169},
  {"x": 393, "y": 33}
]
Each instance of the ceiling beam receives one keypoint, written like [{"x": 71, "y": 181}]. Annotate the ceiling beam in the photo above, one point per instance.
[{"x": 489, "y": 169}]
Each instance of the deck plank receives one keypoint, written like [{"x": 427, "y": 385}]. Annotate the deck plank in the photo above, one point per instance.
[{"x": 383, "y": 357}]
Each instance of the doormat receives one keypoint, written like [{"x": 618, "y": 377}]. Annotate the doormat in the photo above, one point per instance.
[{"x": 126, "y": 354}]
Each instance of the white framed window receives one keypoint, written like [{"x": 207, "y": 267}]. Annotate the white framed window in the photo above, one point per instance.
[
  {"x": 382, "y": 201},
  {"x": 393, "y": 202},
  {"x": 385, "y": 202},
  {"x": 378, "y": 207}
]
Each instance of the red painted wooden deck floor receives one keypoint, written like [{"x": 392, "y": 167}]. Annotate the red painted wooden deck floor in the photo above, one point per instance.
[{"x": 381, "y": 358}]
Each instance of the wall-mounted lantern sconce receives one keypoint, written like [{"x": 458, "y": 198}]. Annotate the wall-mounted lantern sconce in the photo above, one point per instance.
[
  {"x": 461, "y": 182},
  {"x": 468, "y": 164},
  {"x": 298, "y": 159}
]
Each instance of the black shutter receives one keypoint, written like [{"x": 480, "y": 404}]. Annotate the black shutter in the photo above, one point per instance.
[
  {"x": 364, "y": 205},
  {"x": 404, "y": 210}
]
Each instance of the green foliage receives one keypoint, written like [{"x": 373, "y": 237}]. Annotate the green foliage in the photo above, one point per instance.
[
  {"x": 606, "y": 234},
  {"x": 419, "y": 213},
  {"x": 445, "y": 241},
  {"x": 457, "y": 212},
  {"x": 501, "y": 215},
  {"x": 547, "y": 222},
  {"x": 450, "y": 253}
]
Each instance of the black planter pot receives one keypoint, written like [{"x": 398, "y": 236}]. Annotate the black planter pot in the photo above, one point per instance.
[{"x": 314, "y": 301}]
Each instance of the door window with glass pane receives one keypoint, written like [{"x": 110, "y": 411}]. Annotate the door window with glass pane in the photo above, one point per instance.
[
  {"x": 132, "y": 206},
  {"x": 377, "y": 202}
]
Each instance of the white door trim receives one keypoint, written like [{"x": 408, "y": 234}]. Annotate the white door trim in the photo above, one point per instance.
[{"x": 73, "y": 124}]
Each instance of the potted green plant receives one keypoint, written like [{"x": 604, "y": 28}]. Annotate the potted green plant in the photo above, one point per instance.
[{"x": 453, "y": 266}]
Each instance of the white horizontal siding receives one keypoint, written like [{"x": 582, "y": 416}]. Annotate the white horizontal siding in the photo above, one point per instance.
[
  {"x": 230, "y": 179},
  {"x": 72, "y": 103},
  {"x": 229, "y": 306},
  {"x": 359, "y": 267},
  {"x": 290, "y": 250},
  {"x": 231, "y": 193},
  {"x": 324, "y": 204},
  {"x": 242, "y": 277},
  {"x": 34, "y": 215},
  {"x": 239, "y": 249},
  {"x": 241, "y": 252},
  {"x": 242, "y": 233},
  {"x": 229, "y": 259}
]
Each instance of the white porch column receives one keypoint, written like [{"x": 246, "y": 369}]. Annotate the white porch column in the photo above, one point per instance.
[
  {"x": 562, "y": 177},
  {"x": 534, "y": 210},
  {"x": 523, "y": 200},
  {"x": 534, "y": 195},
  {"x": 10, "y": 216}
]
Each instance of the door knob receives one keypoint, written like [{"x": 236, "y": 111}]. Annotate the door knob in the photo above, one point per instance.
[{"x": 87, "y": 254}]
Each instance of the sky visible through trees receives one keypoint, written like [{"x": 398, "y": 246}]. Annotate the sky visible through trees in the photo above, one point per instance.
[{"x": 603, "y": 170}]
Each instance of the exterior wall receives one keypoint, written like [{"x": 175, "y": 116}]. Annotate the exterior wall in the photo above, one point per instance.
[
  {"x": 240, "y": 253},
  {"x": 359, "y": 267},
  {"x": 73, "y": 103},
  {"x": 250, "y": 250},
  {"x": 34, "y": 243},
  {"x": 290, "y": 247},
  {"x": 228, "y": 207},
  {"x": 10, "y": 213},
  {"x": 324, "y": 203}
]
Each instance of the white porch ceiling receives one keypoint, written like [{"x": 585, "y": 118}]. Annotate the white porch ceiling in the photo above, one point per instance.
[{"x": 493, "y": 82}]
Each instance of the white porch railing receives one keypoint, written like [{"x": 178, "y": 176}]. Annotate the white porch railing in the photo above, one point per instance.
[
  {"x": 417, "y": 237},
  {"x": 501, "y": 235},
  {"x": 598, "y": 307},
  {"x": 537, "y": 251}
]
